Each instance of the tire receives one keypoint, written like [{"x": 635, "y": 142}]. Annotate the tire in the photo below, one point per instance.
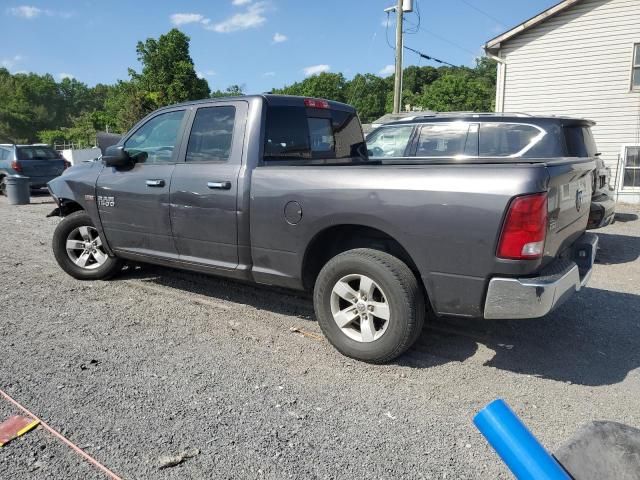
[
  {"x": 91, "y": 260},
  {"x": 3, "y": 186},
  {"x": 393, "y": 292}
]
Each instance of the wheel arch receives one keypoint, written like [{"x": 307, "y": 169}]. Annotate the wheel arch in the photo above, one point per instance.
[
  {"x": 333, "y": 240},
  {"x": 68, "y": 206}
]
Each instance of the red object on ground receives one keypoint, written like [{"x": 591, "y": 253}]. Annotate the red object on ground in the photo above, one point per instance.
[
  {"x": 61, "y": 437},
  {"x": 15, "y": 426}
]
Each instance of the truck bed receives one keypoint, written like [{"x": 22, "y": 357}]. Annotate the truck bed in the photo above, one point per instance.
[{"x": 447, "y": 217}]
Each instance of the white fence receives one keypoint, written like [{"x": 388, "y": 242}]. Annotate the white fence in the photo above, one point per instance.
[{"x": 75, "y": 156}]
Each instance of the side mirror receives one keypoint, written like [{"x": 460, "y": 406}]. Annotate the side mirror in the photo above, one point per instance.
[{"x": 116, "y": 156}]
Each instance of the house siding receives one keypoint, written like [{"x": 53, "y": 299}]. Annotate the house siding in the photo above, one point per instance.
[{"x": 578, "y": 63}]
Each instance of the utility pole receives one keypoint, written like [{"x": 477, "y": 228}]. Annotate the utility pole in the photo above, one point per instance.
[{"x": 397, "y": 87}]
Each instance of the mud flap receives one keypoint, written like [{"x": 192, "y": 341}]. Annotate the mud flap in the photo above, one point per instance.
[{"x": 55, "y": 213}]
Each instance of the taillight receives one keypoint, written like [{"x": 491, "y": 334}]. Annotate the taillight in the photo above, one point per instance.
[
  {"x": 315, "y": 103},
  {"x": 16, "y": 166},
  {"x": 525, "y": 228}
]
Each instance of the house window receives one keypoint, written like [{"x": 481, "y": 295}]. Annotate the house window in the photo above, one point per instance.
[
  {"x": 631, "y": 171},
  {"x": 635, "y": 71}
]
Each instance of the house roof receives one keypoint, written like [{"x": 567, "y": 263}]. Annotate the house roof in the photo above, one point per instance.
[{"x": 494, "y": 44}]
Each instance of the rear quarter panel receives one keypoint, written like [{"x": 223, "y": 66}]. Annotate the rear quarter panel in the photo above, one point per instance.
[{"x": 447, "y": 217}]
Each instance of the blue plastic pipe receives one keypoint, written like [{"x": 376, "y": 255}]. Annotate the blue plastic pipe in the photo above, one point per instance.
[{"x": 516, "y": 445}]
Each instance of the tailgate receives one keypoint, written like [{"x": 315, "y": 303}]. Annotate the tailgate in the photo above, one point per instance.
[
  {"x": 39, "y": 161},
  {"x": 570, "y": 188},
  {"x": 42, "y": 168}
]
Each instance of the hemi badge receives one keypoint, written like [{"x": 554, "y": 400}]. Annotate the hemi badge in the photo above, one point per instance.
[{"x": 89, "y": 198}]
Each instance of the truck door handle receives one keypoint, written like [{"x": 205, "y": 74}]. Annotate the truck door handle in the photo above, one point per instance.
[
  {"x": 219, "y": 185},
  {"x": 155, "y": 183}
]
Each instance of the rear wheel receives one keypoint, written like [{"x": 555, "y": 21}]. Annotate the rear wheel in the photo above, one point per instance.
[
  {"x": 369, "y": 305},
  {"x": 3, "y": 186},
  {"x": 78, "y": 249}
]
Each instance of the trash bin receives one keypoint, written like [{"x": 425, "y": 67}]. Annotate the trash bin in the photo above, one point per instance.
[{"x": 17, "y": 190}]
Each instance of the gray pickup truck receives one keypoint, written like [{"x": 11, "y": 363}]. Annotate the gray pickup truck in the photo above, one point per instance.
[{"x": 280, "y": 191}]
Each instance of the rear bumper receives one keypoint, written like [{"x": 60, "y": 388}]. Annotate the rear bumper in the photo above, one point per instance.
[
  {"x": 602, "y": 211},
  {"x": 41, "y": 182},
  {"x": 512, "y": 298}
]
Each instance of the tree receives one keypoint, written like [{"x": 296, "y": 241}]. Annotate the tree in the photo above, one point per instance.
[
  {"x": 458, "y": 91},
  {"x": 231, "y": 91},
  {"x": 36, "y": 107},
  {"x": 463, "y": 89},
  {"x": 368, "y": 94},
  {"x": 168, "y": 74},
  {"x": 125, "y": 105},
  {"x": 415, "y": 78},
  {"x": 331, "y": 86},
  {"x": 29, "y": 103}
]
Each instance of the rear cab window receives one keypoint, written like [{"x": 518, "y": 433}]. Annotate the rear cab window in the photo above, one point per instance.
[
  {"x": 37, "y": 153},
  {"x": 312, "y": 135}
]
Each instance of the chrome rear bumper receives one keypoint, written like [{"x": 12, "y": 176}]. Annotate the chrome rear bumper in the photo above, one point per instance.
[{"x": 537, "y": 296}]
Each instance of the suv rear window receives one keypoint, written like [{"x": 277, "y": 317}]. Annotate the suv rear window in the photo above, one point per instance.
[
  {"x": 580, "y": 142},
  {"x": 447, "y": 140},
  {"x": 299, "y": 133},
  {"x": 37, "y": 153},
  {"x": 506, "y": 139},
  {"x": 389, "y": 141}
]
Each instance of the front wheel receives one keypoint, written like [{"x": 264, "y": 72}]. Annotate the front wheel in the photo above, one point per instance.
[
  {"x": 369, "y": 305},
  {"x": 79, "y": 250}
]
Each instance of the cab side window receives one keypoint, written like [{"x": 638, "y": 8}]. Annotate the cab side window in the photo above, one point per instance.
[
  {"x": 155, "y": 141},
  {"x": 211, "y": 135}
]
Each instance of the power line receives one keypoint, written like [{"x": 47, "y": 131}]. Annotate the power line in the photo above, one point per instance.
[
  {"x": 482, "y": 12},
  {"x": 416, "y": 26},
  {"x": 386, "y": 33},
  {"x": 429, "y": 57},
  {"x": 450, "y": 42}
]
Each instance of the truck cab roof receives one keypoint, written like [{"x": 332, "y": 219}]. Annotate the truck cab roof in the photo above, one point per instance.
[{"x": 271, "y": 99}]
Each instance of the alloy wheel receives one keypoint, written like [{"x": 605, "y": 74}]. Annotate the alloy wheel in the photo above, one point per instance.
[{"x": 360, "y": 308}]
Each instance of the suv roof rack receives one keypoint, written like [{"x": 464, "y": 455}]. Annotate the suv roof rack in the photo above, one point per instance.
[{"x": 472, "y": 114}]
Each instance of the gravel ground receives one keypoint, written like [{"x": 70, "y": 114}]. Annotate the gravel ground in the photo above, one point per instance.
[{"x": 157, "y": 362}]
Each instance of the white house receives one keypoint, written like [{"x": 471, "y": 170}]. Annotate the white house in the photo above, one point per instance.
[{"x": 580, "y": 58}]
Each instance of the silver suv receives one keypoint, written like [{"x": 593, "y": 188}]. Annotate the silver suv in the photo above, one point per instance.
[
  {"x": 477, "y": 137},
  {"x": 39, "y": 162}
]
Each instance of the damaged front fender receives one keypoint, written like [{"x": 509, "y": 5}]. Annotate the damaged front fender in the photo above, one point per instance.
[{"x": 75, "y": 189}]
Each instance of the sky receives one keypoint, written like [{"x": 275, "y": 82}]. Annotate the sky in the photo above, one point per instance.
[{"x": 258, "y": 44}]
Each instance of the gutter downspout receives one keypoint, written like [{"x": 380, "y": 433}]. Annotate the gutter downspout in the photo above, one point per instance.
[{"x": 500, "y": 81}]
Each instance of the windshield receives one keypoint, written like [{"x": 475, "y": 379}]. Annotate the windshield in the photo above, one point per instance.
[{"x": 37, "y": 153}]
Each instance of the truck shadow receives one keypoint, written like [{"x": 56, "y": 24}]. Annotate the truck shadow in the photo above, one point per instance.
[
  {"x": 273, "y": 299},
  {"x": 615, "y": 249},
  {"x": 593, "y": 339},
  {"x": 626, "y": 217}
]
